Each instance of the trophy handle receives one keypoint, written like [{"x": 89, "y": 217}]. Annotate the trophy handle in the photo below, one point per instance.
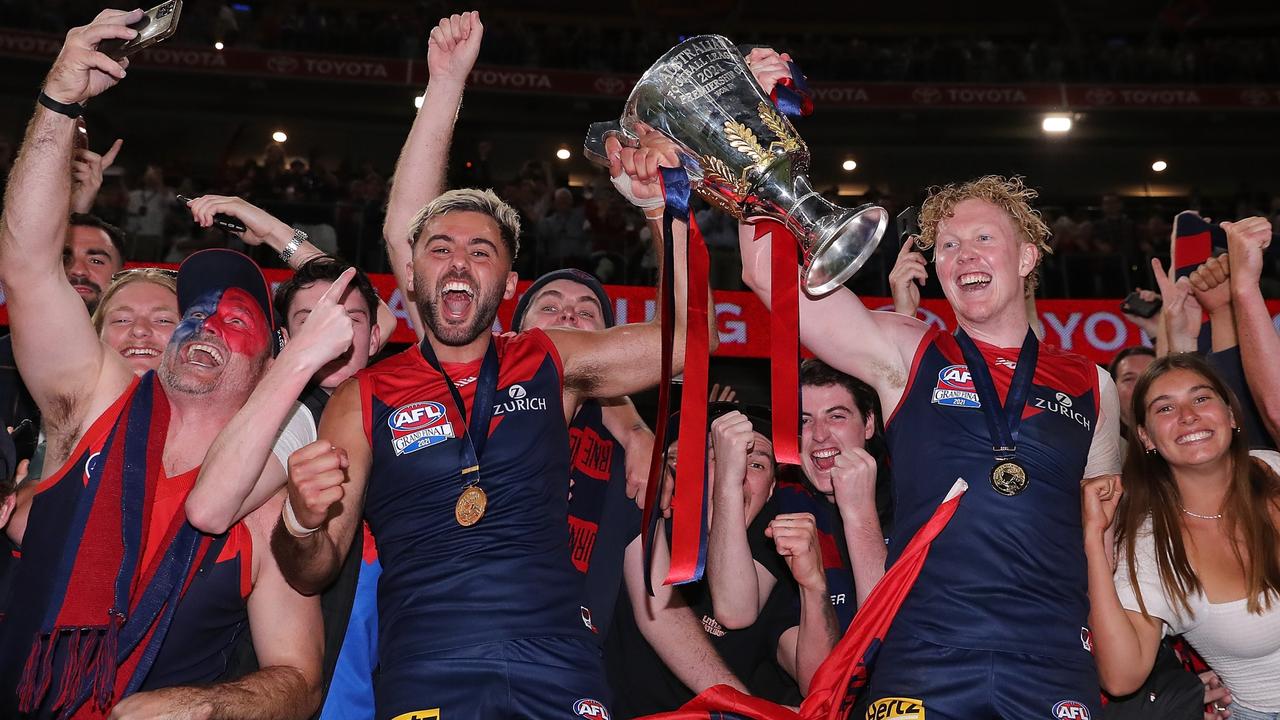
[{"x": 597, "y": 133}]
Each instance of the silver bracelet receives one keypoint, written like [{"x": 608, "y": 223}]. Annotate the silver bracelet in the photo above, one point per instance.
[{"x": 295, "y": 242}]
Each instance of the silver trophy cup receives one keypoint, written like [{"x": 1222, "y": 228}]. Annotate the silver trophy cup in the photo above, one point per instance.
[{"x": 743, "y": 155}]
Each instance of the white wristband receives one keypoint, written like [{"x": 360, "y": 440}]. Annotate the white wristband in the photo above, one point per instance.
[
  {"x": 623, "y": 184},
  {"x": 291, "y": 523}
]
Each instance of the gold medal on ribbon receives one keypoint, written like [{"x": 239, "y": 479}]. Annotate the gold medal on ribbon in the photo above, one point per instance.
[
  {"x": 471, "y": 505},
  {"x": 1009, "y": 479}
]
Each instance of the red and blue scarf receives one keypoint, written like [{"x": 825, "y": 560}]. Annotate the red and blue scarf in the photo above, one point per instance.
[{"x": 103, "y": 616}]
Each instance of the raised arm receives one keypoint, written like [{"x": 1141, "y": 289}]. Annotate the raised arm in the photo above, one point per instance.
[
  {"x": 1124, "y": 642},
  {"x": 739, "y": 585},
  {"x": 802, "y": 649},
  {"x": 420, "y": 171},
  {"x": 627, "y": 358},
  {"x": 854, "y": 481},
  {"x": 239, "y": 472},
  {"x": 44, "y": 311},
  {"x": 669, "y": 625},
  {"x": 1259, "y": 344},
  {"x": 875, "y": 347},
  {"x": 624, "y": 423},
  {"x": 326, "y": 495}
]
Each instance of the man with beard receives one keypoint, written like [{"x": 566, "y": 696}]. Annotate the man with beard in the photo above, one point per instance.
[
  {"x": 119, "y": 603},
  {"x": 995, "y": 624},
  {"x": 457, "y": 452},
  {"x": 94, "y": 251}
]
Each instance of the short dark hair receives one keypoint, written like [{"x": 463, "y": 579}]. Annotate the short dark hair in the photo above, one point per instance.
[
  {"x": 323, "y": 268},
  {"x": 1126, "y": 353},
  {"x": 89, "y": 220},
  {"x": 815, "y": 373}
]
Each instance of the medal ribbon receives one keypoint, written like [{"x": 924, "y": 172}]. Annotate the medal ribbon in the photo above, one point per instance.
[
  {"x": 791, "y": 95},
  {"x": 476, "y": 432},
  {"x": 784, "y": 339},
  {"x": 1002, "y": 421}
]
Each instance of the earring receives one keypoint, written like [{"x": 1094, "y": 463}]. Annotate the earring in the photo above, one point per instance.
[
  {"x": 1235, "y": 429},
  {"x": 1151, "y": 451}
]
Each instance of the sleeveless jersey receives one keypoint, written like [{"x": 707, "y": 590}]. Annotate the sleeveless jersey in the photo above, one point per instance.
[
  {"x": 792, "y": 496},
  {"x": 1008, "y": 573},
  {"x": 212, "y": 611},
  {"x": 602, "y": 519},
  {"x": 507, "y": 577}
]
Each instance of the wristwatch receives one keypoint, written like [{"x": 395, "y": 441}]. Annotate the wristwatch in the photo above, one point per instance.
[{"x": 294, "y": 243}]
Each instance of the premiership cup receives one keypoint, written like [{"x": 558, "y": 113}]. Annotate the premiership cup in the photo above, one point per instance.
[{"x": 743, "y": 155}]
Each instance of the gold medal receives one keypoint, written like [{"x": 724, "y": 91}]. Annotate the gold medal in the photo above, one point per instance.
[
  {"x": 1009, "y": 479},
  {"x": 471, "y": 505}
]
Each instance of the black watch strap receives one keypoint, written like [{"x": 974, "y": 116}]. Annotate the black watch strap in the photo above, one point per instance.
[{"x": 71, "y": 110}]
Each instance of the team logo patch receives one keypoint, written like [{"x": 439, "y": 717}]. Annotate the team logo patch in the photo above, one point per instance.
[
  {"x": 589, "y": 708},
  {"x": 1070, "y": 710},
  {"x": 432, "y": 714},
  {"x": 895, "y": 708},
  {"x": 90, "y": 466},
  {"x": 418, "y": 425},
  {"x": 1086, "y": 639},
  {"x": 955, "y": 388},
  {"x": 586, "y": 619}
]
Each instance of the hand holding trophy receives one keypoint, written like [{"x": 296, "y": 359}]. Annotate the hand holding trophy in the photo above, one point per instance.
[{"x": 743, "y": 155}]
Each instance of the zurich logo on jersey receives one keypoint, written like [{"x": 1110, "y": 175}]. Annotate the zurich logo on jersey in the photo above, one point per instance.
[
  {"x": 1070, "y": 710},
  {"x": 418, "y": 425},
  {"x": 955, "y": 388}
]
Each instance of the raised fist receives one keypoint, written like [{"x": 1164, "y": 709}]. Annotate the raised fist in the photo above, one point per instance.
[{"x": 317, "y": 479}]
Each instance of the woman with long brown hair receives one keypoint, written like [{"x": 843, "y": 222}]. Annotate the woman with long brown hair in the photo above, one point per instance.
[{"x": 1197, "y": 540}]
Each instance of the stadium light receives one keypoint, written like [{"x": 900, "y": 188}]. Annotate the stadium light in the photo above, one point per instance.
[
  {"x": 218, "y": 45},
  {"x": 279, "y": 136},
  {"x": 1056, "y": 124},
  {"x": 849, "y": 165},
  {"x": 563, "y": 153},
  {"x": 1159, "y": 166}
]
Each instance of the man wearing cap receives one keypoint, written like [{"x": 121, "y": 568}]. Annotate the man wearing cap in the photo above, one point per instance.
[{"x": 119, "y": 603}]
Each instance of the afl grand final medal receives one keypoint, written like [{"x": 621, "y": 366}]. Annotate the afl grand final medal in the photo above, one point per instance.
[
  {"x": 1008, "y": 479},
  {"x": 471, "y": 505}
]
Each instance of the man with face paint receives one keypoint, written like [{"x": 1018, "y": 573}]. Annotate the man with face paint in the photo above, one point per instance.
[
  {"x": 121, "y": 605},
  {"x": 1024, "y": 424}
]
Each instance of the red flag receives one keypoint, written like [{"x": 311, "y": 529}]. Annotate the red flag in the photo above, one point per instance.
[{"x": 846, "y": 671}]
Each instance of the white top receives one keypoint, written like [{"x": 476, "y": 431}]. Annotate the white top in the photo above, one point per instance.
[
  {"x": 1244, "y": 649},
  {"x": 298, "y": 430},
  {"x": 1104, "y": 451}
]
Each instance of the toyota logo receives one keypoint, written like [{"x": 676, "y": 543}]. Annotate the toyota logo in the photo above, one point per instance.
[
  {"x": 282, "y": 64},
  {"x": 926, "y": 95}
]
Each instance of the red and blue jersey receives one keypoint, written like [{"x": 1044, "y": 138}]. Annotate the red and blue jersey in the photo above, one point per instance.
[
  {"x": 1008, "y": 573},
  {"x": 795, "y": 496},
  {"x": 507, "y": 577}
]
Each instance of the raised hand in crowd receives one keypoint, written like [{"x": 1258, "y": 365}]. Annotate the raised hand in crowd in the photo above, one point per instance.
[
  {"x": 768, "y": 66},
  {"x": 1259, "y": 344},
  {"x": 1179, "y": 315},
  {"x": 317, "y": 474},
  {"x": 87, "y": 168},
  {"x": 722, "y": 394},
  {"x": 261, "y": 227},
  {"x": 453, "y": 46},
  {"x": 801, "y": 649},
  {"x": 1148, "y": 325},
  {"x": 1212, "y": 289},
  {"x": 636, "y": 173},
  {"x": 910, "y": 273},
  {"x": 81, "y": 72}
]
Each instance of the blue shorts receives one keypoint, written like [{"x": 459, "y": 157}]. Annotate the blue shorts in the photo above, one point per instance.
[
  {"x": 913, "y": 679},
  {"x": 533, "y": 678}
]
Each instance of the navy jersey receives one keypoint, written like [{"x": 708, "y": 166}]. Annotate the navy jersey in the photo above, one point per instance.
[
  {"x": 507, "y": 577},
  {"x": 1008, "y": 573},
  {"x": 602, "y": 519},
  {"x": 792, "y": 496}
]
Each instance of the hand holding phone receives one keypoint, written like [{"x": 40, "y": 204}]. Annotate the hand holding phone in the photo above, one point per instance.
[
  {"x": 222, "y": 220},
  {"x": 1139, "y": 306},
  {"x": 157, "y": 25}
]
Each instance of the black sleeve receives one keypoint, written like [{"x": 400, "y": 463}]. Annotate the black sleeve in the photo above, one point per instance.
[
  {"x": 1231, "y": 367},
  {"x": 762, "y": 547}
]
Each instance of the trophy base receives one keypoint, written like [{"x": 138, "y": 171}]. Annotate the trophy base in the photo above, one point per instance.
[{"x": 842, "y": 249}]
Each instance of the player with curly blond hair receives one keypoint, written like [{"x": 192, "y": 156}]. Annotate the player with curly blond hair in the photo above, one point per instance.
[{"x": 995, "y": 626}]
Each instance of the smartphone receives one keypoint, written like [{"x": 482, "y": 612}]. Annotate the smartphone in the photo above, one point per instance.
[
  {"x": 1195, "y": 240},
  {"x": 909, "y": 223},
  {"x": 157, "y": 25},
  {"x": 25, "y": 437},
  {"x": 1135, "y": 305},
  {"x": 222, "y": 220}
]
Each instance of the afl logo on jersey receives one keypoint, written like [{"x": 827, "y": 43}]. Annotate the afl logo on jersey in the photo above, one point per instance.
[
  {"x": 589, "y": 708},
  {"x": 1070, "y": 710},
  {"x": 418, "y": 425},
  {"x": 955, "y": 388}
]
